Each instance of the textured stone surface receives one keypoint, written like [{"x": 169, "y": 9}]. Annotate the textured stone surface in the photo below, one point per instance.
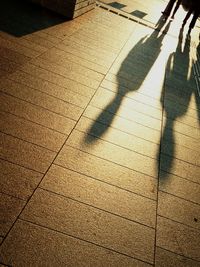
[
  {"x": 179, "y": 210},
  {"x": 68, "y": 72},
  {"x": 167, "y": 258},
  {"x": 18, "y": 181},
  {"x": 31, "y": 132},
  {"x": 36, "y": 114},
  {"x": 19, "y": 47},
  {"x": 13, "y": 56},
  {"x": 40, "y": 99},
  {"x": 179, "y": 168},
  {"x": 113, "y": 153},
  {"x": 108, "y": 172},
  {"x": 68, "y": 250},
  {"x": 178, "y": 238},
  {"x": 180, "y": 187},
  {"x": 70, "y": 91},
  {"x": 182, "y": 153},
  {"x": 145, "y": 99},
  {"x": 123, "y": 124},
  {"x": 10, "y": 208},
  {"x": 93, "y": 225},
  {"x": 127, "y": 108},
  {"x": 103, "y": 97},
  {"x": 126, "y": 140},
  {"x": 181, "y": 139},
  {"x": 56, "y": 54},
  {"x": 25, "y": 154},
  {"x": 183, "y": 128},
  {"x": 100, "y": 195}
]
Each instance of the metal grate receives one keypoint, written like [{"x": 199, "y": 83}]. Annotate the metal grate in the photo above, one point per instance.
[{"x": 125, "y": 14}]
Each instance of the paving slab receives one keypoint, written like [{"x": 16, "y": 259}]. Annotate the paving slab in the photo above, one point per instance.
[
  {"x": 72, "y": 92},
  {"x": 115, "y": 136},
  {"x": 178, "y": 126},
  {"x": 100, "y": 55},
  {"x": 68, "y": 250},
  {"x": 54, "y": 77},
  {"x": 178, "y": 238},
  {"x": 36, "y": 114},
  {"x": 107, "y": 171},
  {"x": 179, "y": 210},
  {"x": 101, "y": 195},
  {"x": 25, "y": 154},
  {"x": 181, "y": 139},
  {"x": 164, "y": 257},
  {"x": 113, "y": 153},
  {"x": 182, "y": 153},
  {"x": 40, "y": 99},
  {"x": 94, "y": 225},
  {"x": 179, "y": 168},
  {"x": 10, "y": 208},
  {"x": 18, "y": 181},
  {"x": 175, "y": 106},
  {"x": 20, "y": 48},
  {"x": 9, "y": 66},
  {"x": 123, "y": 124},
  {"x": 49, "y": 67},
  {"x": 102, "y": 97},
  {"x": 137, "y": 96},
  {"x": 13, "y": 56},
  {"x": 31, "y": 132},
  {"x": 180, "y": 187},
  {"x": 56, "y": 53}
]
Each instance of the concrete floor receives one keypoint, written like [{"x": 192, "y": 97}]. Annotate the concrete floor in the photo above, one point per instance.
[{"x": 99, "y": 132}]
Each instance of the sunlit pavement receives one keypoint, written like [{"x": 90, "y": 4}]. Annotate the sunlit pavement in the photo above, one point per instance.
[{"x": 99, "y": 155}]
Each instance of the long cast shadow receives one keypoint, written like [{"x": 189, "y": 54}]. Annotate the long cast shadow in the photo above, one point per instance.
[
  {"x": 22, "y": 17},
  {"x": 130, "y": 77},
  {"x": 175, "y": 98}
]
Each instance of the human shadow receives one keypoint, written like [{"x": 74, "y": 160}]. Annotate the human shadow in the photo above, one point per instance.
[
  {"x": 196, "y": 67},
  {"x": 175, "y": 98},
  {"x": 22, "y": 17},
  {"x": 130, "y": 77}
]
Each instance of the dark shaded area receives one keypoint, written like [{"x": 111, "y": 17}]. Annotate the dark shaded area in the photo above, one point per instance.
[
  {"x": 116, "y": 5},
  {"x": 176, "y": 96},
  {"x": 130, "y": 76},
  {"x": 23, "y": 17},
  {"x": 138, "y": 14}
]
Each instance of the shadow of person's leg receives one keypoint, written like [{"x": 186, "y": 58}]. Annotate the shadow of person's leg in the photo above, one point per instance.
[
  {"x": 176, "y": 8},
  {"x": 168, "y": 8},
  {"x": 194, "y": 19},
  {"x": 187, "y": 17}
]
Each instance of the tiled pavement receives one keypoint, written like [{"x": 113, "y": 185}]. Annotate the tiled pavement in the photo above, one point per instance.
[{"x": 99, "y": 159}]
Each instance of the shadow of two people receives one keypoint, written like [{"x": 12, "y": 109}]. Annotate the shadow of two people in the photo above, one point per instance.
[{"x": 133, "y": 72}]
